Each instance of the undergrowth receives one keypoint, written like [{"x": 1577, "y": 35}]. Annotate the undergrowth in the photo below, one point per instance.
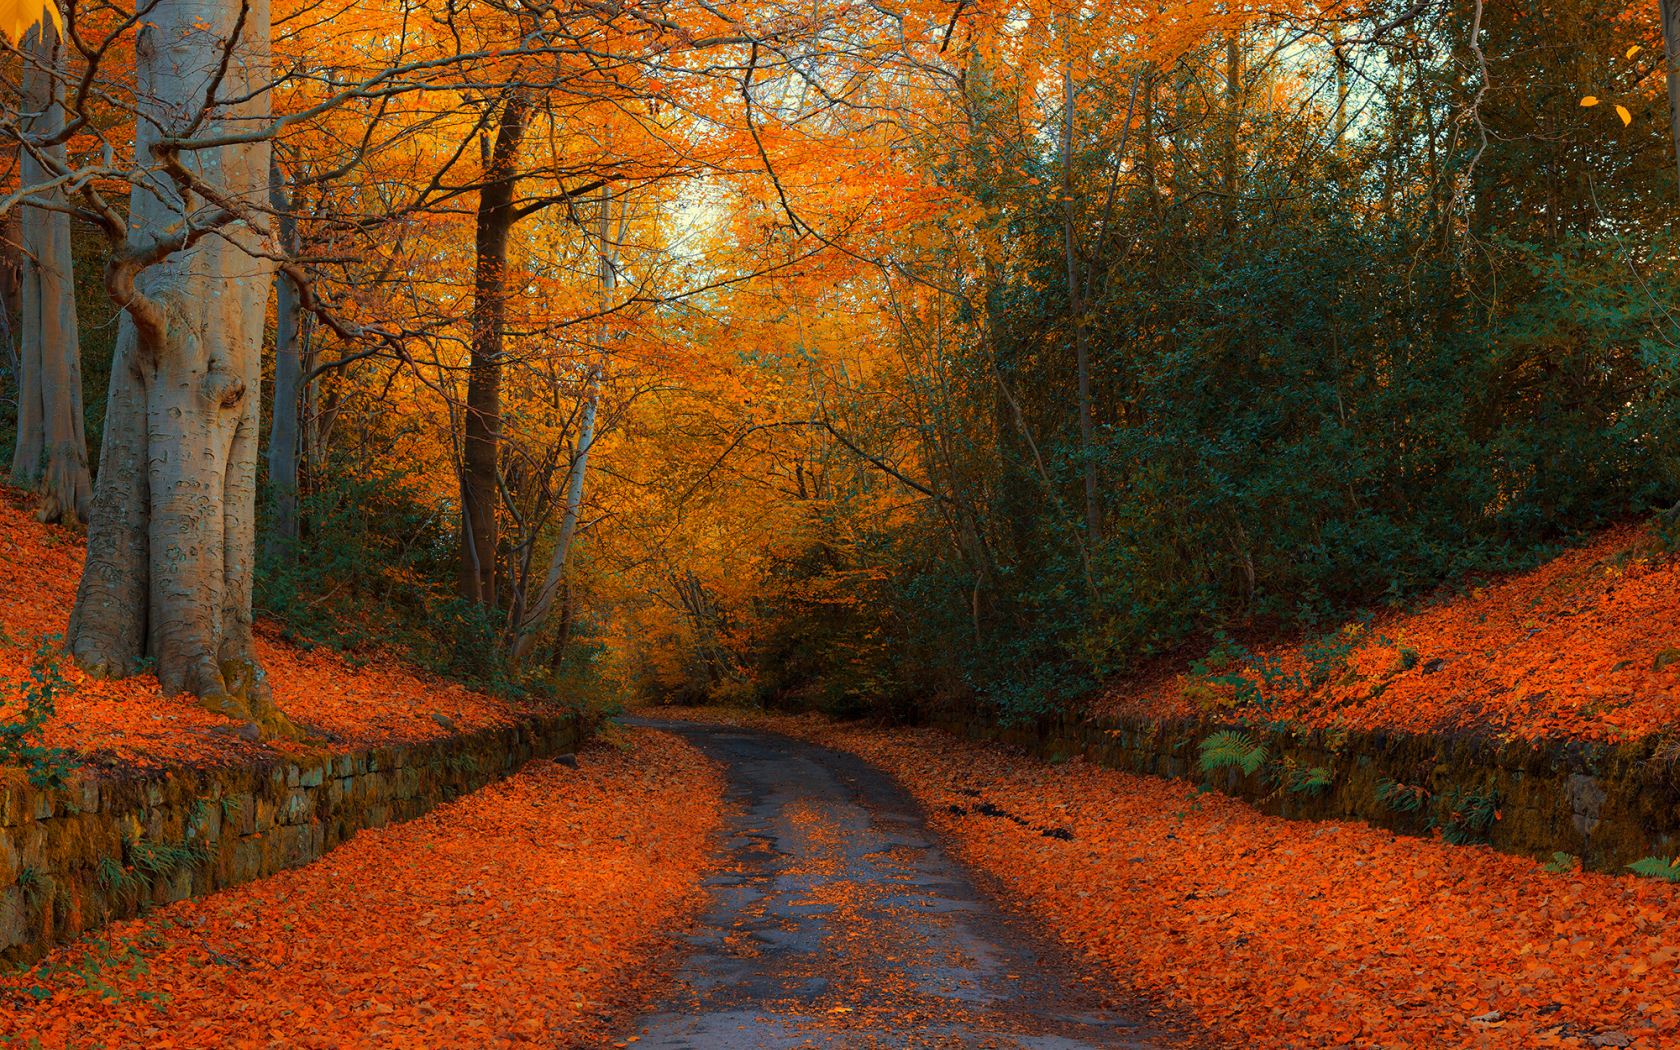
[{"x": 22, "y": 723}]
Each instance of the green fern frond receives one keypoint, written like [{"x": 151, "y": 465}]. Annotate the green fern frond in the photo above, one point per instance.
[
  {"x": 1562, "y": 863},
  {"x": 1657, "y": 868},
  {"x": 1226, "y": 748}
]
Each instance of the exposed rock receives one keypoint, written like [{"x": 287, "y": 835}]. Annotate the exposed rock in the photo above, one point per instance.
[
  {"x": 444, "y": 720},
  {"x": 1610, "y": 1039},
  {"x": 567, "y": 760},
  {"x": 1664, "y": 658},
  {"x": 250, "y": 731}
]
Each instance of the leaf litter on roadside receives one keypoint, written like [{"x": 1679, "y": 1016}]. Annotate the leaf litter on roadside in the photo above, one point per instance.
[
  {"x": 1281, "y": 934},
  {"x": 527, "y": 911}
]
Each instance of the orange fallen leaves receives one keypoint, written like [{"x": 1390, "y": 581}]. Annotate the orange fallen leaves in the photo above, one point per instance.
[
  {"x": 520, "y": 913},
  {"x": 1564, "y": 651},
  {"x": 1281, "y": 934},
  {"x": 377, "y": 702}
]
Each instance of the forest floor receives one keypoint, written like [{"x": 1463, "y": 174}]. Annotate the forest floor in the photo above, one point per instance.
[
  {"x": 1586, "y": 646},
  {"x": 372, "y": 700},
  {"x": 1273, "y": 933},
  {"x": 526, "y": 913}
]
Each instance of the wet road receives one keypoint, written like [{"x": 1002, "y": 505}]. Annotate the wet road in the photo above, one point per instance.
[{"x": 836, "y": 922}]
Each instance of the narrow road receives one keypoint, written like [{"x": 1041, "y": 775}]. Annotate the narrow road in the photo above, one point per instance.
[{"x": 836, "y": 923}]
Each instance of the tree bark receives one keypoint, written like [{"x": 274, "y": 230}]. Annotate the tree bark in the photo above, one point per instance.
[
  {"x": 482, "y": 444},
  {"x": 1233, "y": 119},
  {"x": 1341, "y": 89},
  {"x": 288, "y": 381},
  {"x": 525, "y": 636},
  {"x": 1081, "y": 353},
  {"x": 1669, "y": 12},
  {"x": 51, "y": 454},
  {"x": 171, "y": 541}
]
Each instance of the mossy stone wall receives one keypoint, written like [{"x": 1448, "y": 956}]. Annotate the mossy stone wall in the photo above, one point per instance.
[
  {"x": 1608, "y": 805},
  {"x": 63, "y": 854}
]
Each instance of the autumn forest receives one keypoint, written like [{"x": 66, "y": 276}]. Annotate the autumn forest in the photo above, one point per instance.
[{"x": 890, "y": 523}]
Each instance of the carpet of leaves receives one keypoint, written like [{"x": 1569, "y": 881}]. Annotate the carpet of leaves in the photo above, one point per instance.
[
  {"x": 524, "y": 913},
  {"x": 1567, "y": 650},
  {"x": 376, "y": 700},
  {"x": 1280, "y": 934}
]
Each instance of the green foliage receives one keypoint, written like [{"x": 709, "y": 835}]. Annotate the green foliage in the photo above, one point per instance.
[
  {"x": 1402, "y": 798},
  {"x": 164, "y": 859},
  {"x": 99, "y": 968},
  {"x": 20, "y": 730},
  {"x": 1327, "y": 655},
  {"x": 113, "y": 878},
  {"x": 32, "y": 886},
  {"x": 1308, "y": 402},
  {"x": 1226, "y": 749},
  {"x": 370, "y": 564},
  {"x": 1657, "y": 868},
  {"x": 468, "y": 646},
  {"x": 1561, "y": 863},
  {"x": 1465, "y": 817},
  {"x": 1310, "y": 780}
]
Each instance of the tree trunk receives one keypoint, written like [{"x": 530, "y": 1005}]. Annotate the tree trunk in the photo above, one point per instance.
[
  {"x": 1669, "y": 12},
  {"x": 1233, "y": 119},
  {"x": 1081, "y": 353},
  {"x": 171, "y": 541},
  {"x": 483, "y": 437},
  {"x": 51, "y": 453},
  {"x": 525, "y": 636},
  {"x": 1341, "y": 89},
  {"x": 288, "y": 381}
]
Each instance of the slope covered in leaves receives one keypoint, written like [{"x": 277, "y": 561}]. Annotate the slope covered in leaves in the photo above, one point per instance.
[
  {"x": 1285, "y": 934},
  {"x": 126, "y": 723},
  {"x": 1569, "y": 650},
  {"x": 526, "y": 911}
]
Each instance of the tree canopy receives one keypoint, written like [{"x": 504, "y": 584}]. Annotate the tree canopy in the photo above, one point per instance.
[{"x": 834, "y": 355}]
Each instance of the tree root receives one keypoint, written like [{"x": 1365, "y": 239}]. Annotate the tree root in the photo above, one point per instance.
[{"x": 241, "y": 692}]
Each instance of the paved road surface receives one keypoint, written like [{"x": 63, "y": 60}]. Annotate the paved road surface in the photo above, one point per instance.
[{"x": 837, "y": 923}]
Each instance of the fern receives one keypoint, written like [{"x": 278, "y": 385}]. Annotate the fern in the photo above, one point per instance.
[
  {"x": 162, "y": 859},
  {"x": 32, "y": 886},
  {"x": 1469, "y": 816},
  {"x": 1657, "y": 868},
  {"x": 1563, "y": 863},
  {"x": 1402, "y": 798},
  {"x": 113, "y": 878},
  {"x": 1226, "y": 748},
  {"x": 1310, "y": 780}
]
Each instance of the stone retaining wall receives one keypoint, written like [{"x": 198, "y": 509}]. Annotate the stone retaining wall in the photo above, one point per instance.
[
  {"x": 1608, "y": 805},
  {"x": 70, "y": 860}
]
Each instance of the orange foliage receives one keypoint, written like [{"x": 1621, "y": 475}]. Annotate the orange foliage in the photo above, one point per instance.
[
  {"x": 1567, "y": 650},
  {"x": 126, "y": 722},
  {"x": 1282, "y": 934},
  {"x": 523, "y": 910}
]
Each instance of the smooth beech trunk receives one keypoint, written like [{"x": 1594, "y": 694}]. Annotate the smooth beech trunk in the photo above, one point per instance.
[
  {"x": 51, "y": 453},
  {"x": 288, "y": 382},
  {"x": 170, "y": 545}
]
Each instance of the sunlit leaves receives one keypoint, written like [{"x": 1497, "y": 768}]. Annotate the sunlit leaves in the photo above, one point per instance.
[{"x": 17, "y": 17}]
